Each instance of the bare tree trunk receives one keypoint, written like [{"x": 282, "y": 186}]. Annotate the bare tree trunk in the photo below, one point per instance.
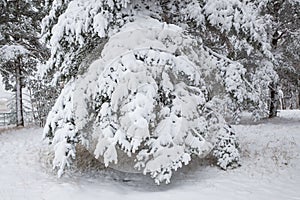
[
  {"x": 274, "y": 100},
  {"x": 19, "y": 97}
]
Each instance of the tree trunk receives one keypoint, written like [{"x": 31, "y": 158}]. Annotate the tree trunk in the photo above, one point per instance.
[
  {"x": 19, "y": 97},
  {"x": 273, "y": 100}
]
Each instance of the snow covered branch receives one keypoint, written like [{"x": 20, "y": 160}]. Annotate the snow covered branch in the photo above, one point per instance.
[{"x": 141, "y": 98}]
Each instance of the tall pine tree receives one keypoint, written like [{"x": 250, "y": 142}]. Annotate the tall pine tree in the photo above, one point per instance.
[{"x": 19, "y": 45}]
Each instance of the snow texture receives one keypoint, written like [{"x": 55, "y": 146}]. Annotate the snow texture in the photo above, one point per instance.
[{"x": 270, "y": 170}]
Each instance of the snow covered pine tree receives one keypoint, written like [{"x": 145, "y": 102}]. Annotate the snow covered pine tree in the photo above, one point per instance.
[
  {"x": 20, "y": 49},
  {"x": 150, "y": 89},
  {"x": 142, "y": 100}
]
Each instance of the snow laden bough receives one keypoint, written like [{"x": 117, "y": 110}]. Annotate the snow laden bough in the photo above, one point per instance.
[{"x": 141, "y": 107}]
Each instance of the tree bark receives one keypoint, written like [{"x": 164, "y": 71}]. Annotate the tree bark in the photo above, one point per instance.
[
  {"x": 19, "y": 97},
  {"x": 273, "y": 100}
]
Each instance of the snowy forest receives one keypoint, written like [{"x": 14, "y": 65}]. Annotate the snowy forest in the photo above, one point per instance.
[{"x": 150, "y": 87}]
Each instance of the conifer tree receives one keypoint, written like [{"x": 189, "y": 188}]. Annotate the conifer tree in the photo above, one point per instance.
[
  {"x": 285, "y": 44},
  {"x": 140, "y": 67},
  {"x": 19, "y": 45}
]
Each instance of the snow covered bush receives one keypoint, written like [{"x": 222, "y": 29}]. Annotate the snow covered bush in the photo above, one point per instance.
[{"x": 142, "y": 101}]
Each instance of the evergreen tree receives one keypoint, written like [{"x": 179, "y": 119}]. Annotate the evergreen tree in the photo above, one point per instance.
[
  {"x": 285, "y": 43},
  {"x": 19, "y": 45},
  {"x": 104, "y": 52},
  {"x": 229, "y": 31},
  {"x": 142, "y": 98}
]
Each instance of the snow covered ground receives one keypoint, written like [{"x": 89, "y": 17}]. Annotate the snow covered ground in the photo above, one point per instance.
[{"x": 270, "y": 170}]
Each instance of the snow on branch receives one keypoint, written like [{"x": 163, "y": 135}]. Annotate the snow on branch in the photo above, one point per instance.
[
  {"x": 11, "y": 52},
  {"x": 73, "y": 25},
  {"x": 140, "y": 98}
]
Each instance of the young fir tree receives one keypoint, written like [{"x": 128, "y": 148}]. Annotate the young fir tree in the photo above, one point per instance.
[{"x": 136, "y": 93}]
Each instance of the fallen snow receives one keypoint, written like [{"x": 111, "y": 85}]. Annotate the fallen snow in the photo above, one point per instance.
[{"x": 270, "y": 170}]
